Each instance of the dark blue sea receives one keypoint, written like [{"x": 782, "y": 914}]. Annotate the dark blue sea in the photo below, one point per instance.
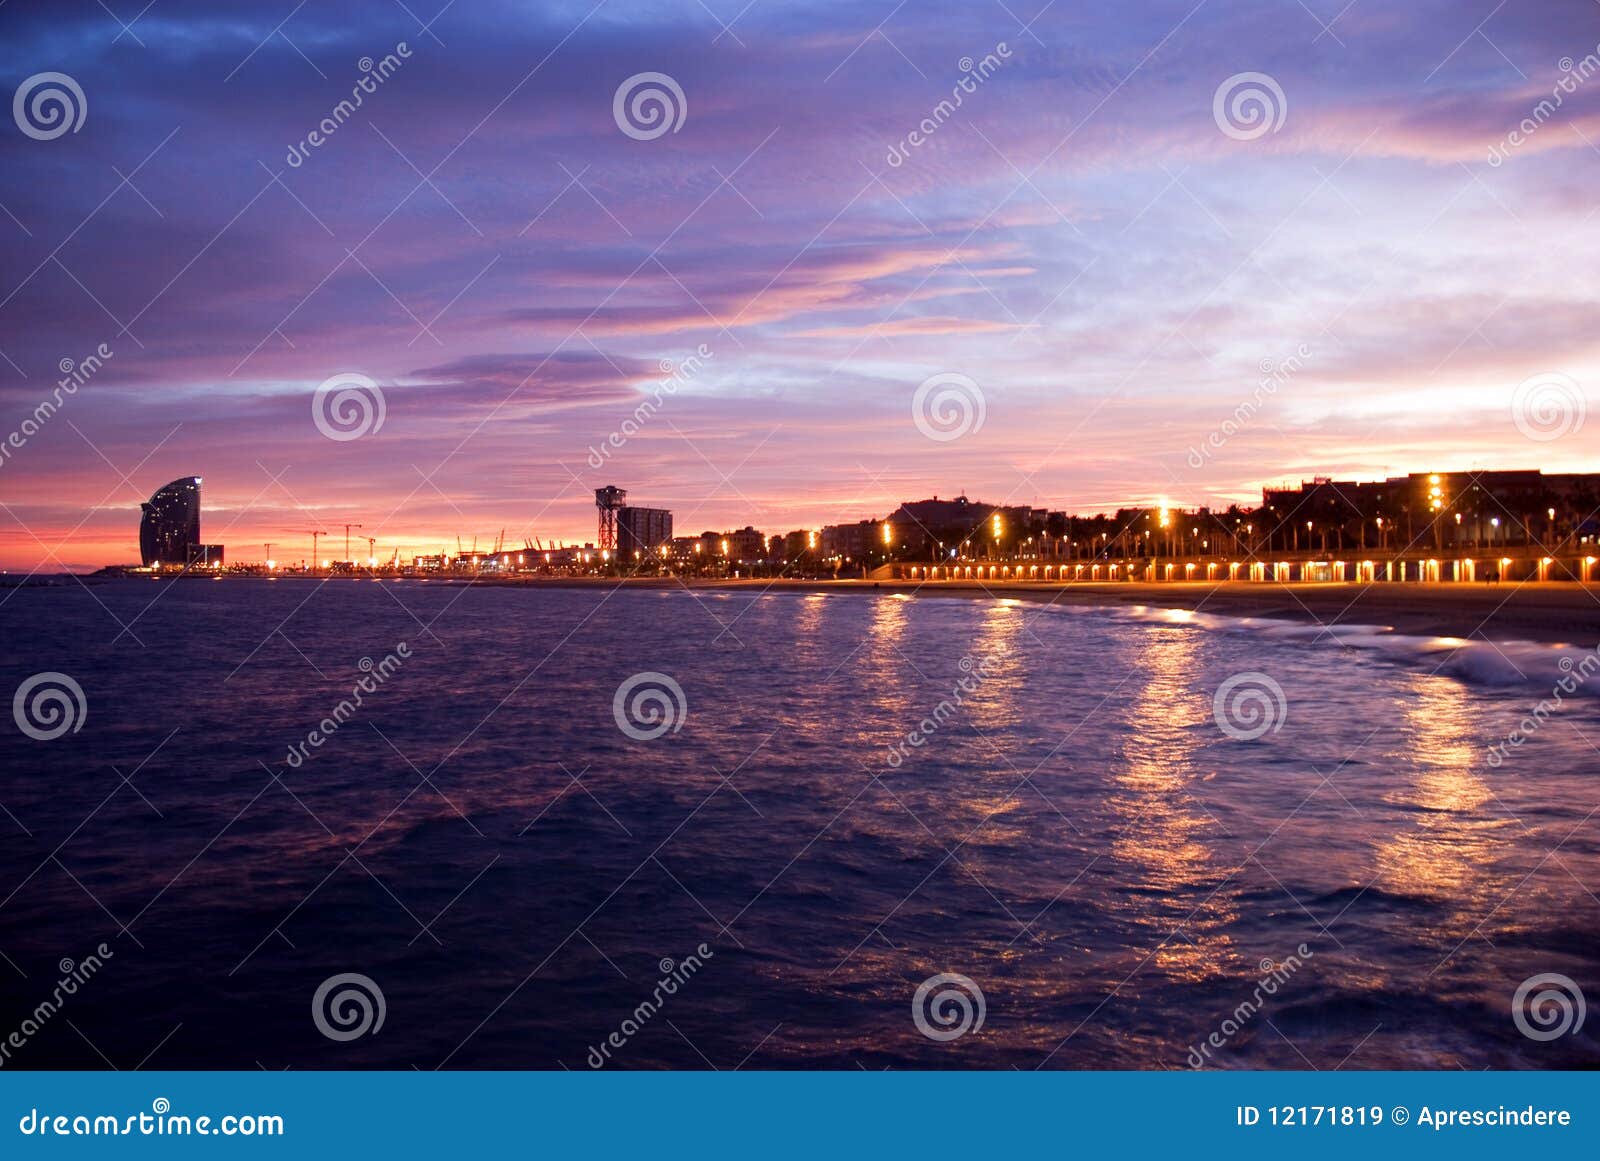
[{"x": 673, "y": 829}]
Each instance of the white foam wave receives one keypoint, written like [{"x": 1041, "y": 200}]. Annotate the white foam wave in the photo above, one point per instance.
[{"x": 1473, "y": 662}]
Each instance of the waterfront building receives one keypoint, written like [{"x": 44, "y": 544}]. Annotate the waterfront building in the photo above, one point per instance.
[
  {"x": 1432, "y": 510},
  {"x": 169, "y": 530},
  {"x": 641, "y": 532},
  {"x": 932, "y": 528},
  {"x": 853, "y": 542},
  {"x": 684, "y": 548},
  {"x": 744, "y": 545}
]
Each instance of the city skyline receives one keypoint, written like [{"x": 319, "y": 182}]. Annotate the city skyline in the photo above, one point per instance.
[
  {"x": 847, "y": 536},
  {"x": 1110, "y": 260},
  {"x": 1409, "y": 515}
]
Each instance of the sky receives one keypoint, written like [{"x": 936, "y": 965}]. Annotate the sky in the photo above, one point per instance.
[{"x": 1125, "y": 284}]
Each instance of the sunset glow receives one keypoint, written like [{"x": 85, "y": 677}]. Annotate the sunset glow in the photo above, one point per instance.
[{"x": 1077, "y": 238}]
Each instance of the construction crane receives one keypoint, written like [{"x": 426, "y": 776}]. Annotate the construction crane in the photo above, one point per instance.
[
  {"x": 314, "y": 533},
  {"x": 372, "y": 551},
  {"x": 347, "y": 528}
]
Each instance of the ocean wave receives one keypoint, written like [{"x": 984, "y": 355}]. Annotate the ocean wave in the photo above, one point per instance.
[{"x": 1473, "y": 662}]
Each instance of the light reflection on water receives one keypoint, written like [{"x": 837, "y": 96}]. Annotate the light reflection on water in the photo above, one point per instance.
[
  {"x": 1164, "y": 835},
  {"x": 1072, "y": 831},
  {"x": 1450, "y": 854}
]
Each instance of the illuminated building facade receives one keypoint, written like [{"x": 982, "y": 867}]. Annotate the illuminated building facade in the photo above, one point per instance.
[
  {"x": 169, "y": 531},
  {"x": 642, "y": 531}
]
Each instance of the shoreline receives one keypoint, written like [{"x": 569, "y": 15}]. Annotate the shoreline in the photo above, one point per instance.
[{"x": 1550, "y": 613}]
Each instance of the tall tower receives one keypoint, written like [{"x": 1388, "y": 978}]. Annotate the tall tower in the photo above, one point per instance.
[{"x": 608, "y": 500}]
